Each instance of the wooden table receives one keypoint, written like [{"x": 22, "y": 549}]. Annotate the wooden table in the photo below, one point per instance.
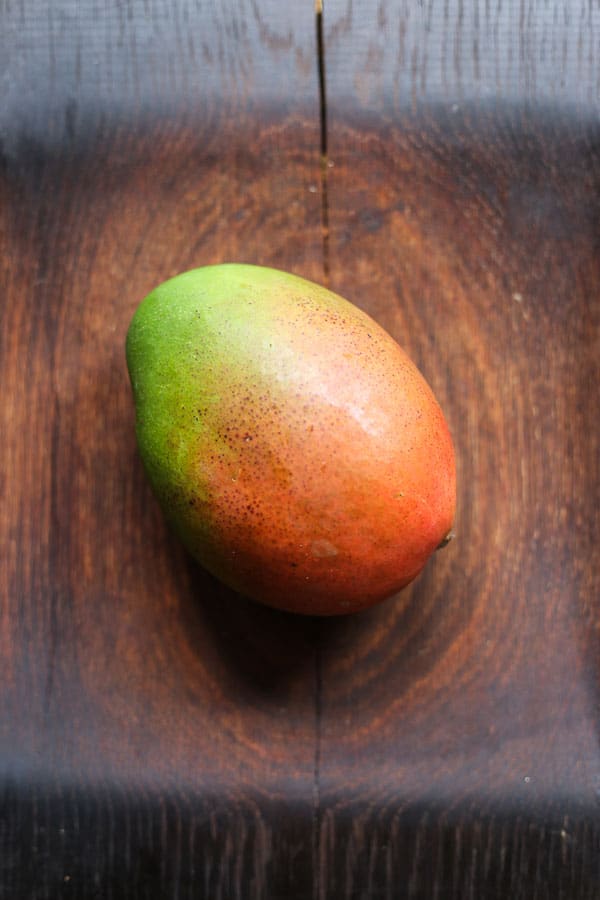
[{"x": 160, "y": 737}]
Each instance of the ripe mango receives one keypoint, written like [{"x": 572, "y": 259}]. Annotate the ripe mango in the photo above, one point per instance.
[{"x": 292, "y": 444}]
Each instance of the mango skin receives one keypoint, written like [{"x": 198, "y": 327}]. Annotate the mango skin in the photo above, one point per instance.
[{"x": 293, "y": 445}]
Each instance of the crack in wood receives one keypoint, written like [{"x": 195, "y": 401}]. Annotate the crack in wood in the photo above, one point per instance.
[
  {"x": 324, "y": 169},
  {"x": 323, "y": 138}
]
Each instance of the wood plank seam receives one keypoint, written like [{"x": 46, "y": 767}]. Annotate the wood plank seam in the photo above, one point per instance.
[{"x": 323, "y": 138}]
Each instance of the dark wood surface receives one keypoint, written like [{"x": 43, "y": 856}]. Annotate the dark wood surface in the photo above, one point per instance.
[{"x": 160, "y": 737}]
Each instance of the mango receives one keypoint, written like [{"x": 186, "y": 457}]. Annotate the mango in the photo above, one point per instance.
[{"x": 292, "y": 444}]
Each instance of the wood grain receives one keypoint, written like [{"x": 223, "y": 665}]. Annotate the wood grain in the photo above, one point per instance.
[
  {"x": 382, "y": 55},
  {"x": 464, "y": 218},
  {"x": 160, "y": 737},
  {"x": 486, "y": 692},
  {"x": 155, "y": 731}
]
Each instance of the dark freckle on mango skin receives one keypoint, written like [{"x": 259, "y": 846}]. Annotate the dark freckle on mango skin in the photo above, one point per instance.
[{"x": 297, "y": 450}]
